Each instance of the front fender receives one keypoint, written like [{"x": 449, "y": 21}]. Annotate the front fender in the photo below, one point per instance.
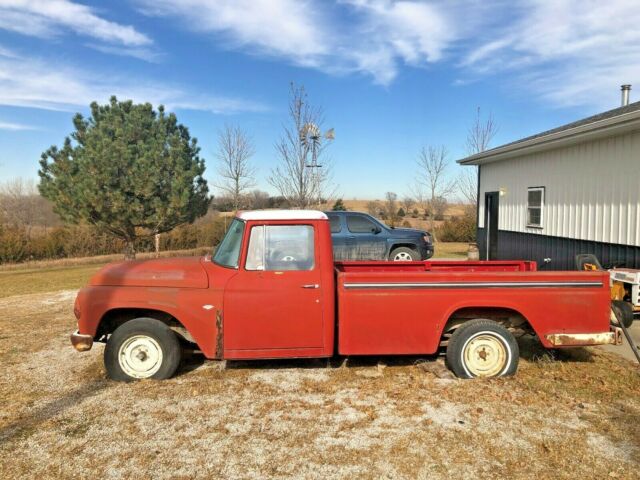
[{"x": 188, "y": 306}]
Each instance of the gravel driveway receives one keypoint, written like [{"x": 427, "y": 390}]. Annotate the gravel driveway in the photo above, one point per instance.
[{"x": 575, "y": 417}]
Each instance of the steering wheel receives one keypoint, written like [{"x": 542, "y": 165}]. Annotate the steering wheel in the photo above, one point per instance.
[{"x": 288, "y": 258}]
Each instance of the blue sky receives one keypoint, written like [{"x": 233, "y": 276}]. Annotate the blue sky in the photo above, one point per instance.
[{"x": 391, "y": 76}]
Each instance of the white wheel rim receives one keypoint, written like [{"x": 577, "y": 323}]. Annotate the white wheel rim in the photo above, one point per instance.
[
  {"x": 486, "y": 354},
  {"x": 140, "y": 356},
  {"x": 402, "y": 257}
]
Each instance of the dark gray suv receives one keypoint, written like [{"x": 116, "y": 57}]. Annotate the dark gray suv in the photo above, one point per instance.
[{"x": 358, "y": 236}]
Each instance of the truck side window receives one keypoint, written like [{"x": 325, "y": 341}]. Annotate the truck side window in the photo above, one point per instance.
[
  {"x": 334, "y": 223},
  {"x": 281, "y": 247},
  {"x": 358, "y": 224}
]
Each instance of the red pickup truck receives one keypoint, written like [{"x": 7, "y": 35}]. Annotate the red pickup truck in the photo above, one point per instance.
[{"x": 273, "y": 290}]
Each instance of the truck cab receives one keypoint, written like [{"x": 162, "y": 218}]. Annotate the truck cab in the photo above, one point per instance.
[{"x": 273, "y": 290}]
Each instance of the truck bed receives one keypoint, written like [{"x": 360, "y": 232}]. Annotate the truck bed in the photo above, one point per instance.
[
  {"x": 438, "y": 266},
  {"x": 403, "y": 307}
]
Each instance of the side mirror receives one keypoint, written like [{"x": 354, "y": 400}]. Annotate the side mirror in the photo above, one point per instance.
[{"x": 376, "y": 230}]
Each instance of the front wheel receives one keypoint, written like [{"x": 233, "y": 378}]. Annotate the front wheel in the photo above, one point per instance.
[
  {"x": 142, "y": 348},
  {"x": 482, "y": 348},
  {"x": 404, "y": 254}
]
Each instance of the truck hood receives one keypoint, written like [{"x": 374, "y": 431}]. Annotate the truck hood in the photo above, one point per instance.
[{"x": 186, "y": 272}]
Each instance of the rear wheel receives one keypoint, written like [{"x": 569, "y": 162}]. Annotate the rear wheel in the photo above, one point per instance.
[
  {"x": 404, "y": 254},
  {"x": 482, "y": 348},
  {"x": 142, "y": 348},
  {"x": 623, "y": 311}
]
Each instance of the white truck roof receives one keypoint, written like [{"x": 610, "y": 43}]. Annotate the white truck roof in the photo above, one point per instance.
[{"x": 282, "y": 215}]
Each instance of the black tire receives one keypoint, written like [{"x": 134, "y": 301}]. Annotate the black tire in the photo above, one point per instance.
[
  {"x": 623, "y": 311},
  {"x": 153, "y": 329},
  {"x": 492, "y": 331},
  {"x": 415, "y": 256}
]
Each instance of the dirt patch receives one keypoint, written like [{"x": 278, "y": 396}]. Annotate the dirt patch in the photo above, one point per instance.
[{"x": 576, "y": 416}]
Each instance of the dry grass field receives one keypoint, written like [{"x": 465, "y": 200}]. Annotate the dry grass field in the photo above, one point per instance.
[{"x": 573, "y": 417}]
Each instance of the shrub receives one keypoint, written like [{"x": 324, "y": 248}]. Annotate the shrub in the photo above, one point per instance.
[
  {"x": 338, "y": 206},
  {"x": 401, "y": 213},
  {"x": 86, "y": 241},
  {"x": 13, "y": 244},
  {"x": 458, "y": 229}
]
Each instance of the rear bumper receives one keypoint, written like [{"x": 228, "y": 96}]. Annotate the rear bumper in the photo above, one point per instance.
[
  {"x": 612, "y": 337},
  {"x": 81, "y": 342}
]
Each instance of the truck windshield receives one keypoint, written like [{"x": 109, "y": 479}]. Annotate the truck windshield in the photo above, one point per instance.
[{"x": 228, "y": 252}]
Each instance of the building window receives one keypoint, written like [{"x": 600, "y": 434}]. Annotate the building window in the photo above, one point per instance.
[{"x": 535, "y": 207}]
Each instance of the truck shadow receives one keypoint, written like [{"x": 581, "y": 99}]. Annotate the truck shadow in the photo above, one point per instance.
[
  {"x": 194, "y": 361},
  {"x": 531, "y": 350}
]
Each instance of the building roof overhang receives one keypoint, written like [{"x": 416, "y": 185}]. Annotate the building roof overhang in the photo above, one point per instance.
[{"x": 561, "y": 137}]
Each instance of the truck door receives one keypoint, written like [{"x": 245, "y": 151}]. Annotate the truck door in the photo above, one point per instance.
[{"x": 273, "y": 306}]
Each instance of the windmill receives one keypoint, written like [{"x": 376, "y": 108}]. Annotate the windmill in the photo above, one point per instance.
[{"x": 311, "y": 137}]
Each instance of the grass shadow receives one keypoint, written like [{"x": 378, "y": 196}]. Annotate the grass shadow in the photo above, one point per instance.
[
  {"x": 533, "y": 351},
  {"x": 27, "y": 425}
]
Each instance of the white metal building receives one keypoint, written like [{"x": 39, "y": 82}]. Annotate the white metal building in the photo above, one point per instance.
[{"x": 574, "y": 189}]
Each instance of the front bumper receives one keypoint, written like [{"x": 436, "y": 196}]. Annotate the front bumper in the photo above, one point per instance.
[
  {"x": 81, "y": 342},
  {"x": 426, "y": 251},
  {"x": 612, "y": 337}
]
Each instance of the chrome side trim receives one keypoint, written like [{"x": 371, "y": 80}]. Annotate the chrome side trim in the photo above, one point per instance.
[{"x": 426, "y": 285}]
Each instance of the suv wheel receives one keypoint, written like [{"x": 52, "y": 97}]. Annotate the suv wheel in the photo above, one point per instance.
[{"x": 404, "y": 254}]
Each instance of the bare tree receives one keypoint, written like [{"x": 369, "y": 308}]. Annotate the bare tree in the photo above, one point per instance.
[
  {"x": 433, "y": 163},
  {"x": 373, "y": 208},
  {"x": 235, "y": 149},
  {"x": 481, "y": 133},
  {"x": 391, "y": 208},
  {"x": 259, "y": 199},
  {"x": 479, "y": 137},
  {"x": 22, "y": 205},
  {"x": 468, "y": 185},
  {"x": 407, "y": 203},
  {"x": 296, "y": 177}
]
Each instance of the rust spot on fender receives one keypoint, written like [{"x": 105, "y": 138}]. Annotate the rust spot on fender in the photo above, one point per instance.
[{"x": 219, "y": 345}]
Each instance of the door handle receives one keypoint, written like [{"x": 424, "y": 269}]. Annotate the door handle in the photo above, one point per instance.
[{"x": 311, "y": 285}]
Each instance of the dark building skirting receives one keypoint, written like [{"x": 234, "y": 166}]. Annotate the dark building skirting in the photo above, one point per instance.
[{"x": 561, "y": 251}]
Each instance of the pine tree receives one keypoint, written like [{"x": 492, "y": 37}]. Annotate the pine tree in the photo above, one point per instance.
[
  {"x": 338, "y": 206},
  {"x": 128, "y": 170}
]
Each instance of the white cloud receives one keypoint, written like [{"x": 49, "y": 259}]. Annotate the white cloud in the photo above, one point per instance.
[
  {"x": 46, "y": 18},
  {"x": 15, "y": 127},
  {"x": 28, "y": 82},
  {"x": 569, "y": 52},
  {"x": 276, "y": 27},
  {"x": 383, "y": 33}
]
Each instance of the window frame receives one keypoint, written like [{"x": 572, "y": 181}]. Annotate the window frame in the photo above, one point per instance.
[
  {"x": 264, "y": 226},
  {"x": 542, "y": 191}
]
